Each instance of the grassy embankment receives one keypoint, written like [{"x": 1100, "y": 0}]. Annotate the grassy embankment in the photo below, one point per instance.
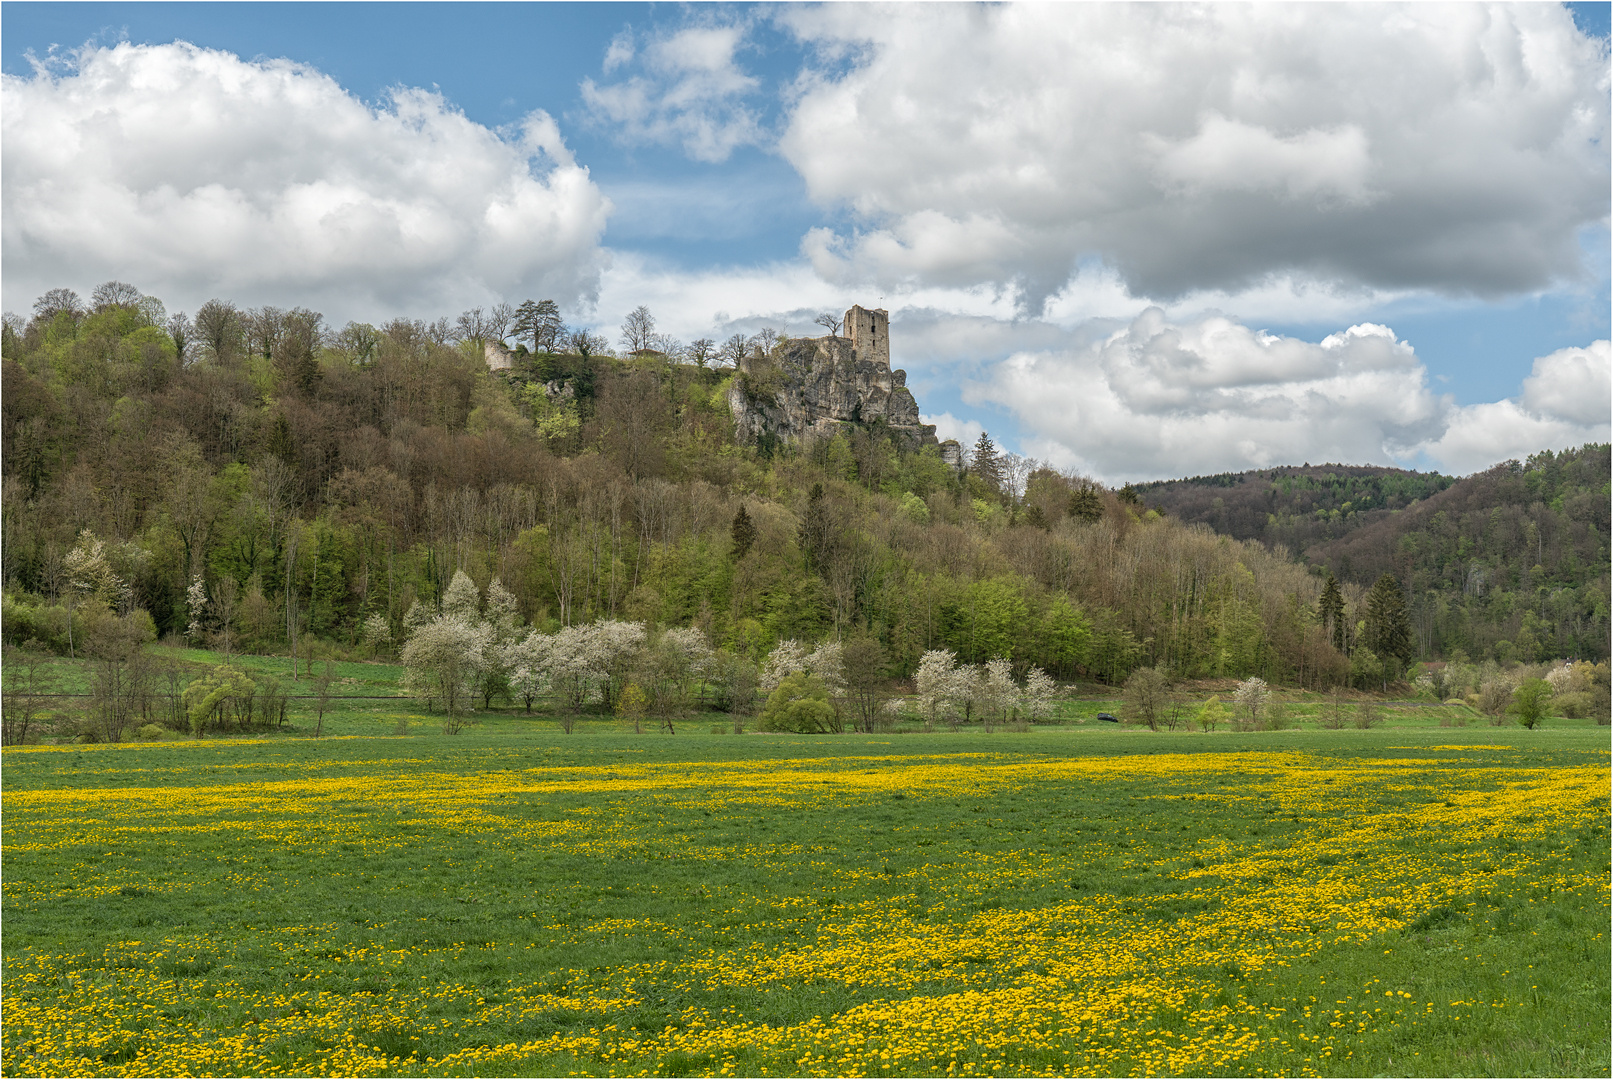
[{"x": 1084, "y": 900}]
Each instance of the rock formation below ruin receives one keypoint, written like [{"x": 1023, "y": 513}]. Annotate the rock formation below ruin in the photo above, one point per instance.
[{"x": 808, "y": 388}]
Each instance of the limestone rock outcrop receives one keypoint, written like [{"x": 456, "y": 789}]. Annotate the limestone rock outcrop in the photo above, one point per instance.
[{"x": 808, "y": 388}]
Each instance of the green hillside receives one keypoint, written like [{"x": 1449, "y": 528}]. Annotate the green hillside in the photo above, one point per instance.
[{"x": 1510, "y": 563}]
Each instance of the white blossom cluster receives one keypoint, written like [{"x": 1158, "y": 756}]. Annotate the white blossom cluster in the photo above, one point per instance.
[
  {"x": 473, "y": 646},
  {"x": 948, "y": 690},
  {"x": 826, "y": 662}
]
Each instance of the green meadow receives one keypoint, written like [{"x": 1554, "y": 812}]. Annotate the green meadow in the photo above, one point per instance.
[{"x": 1080, "y": 900}]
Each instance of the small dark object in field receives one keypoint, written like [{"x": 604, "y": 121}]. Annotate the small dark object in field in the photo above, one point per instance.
[{"x": 1106, "y": 716}]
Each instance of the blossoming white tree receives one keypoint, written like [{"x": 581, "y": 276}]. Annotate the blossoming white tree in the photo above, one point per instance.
[
  {"x": 530, "y": 666},
  {"x": 938, "y": 682},
  {"x": 995, "y": 692},
  {"x": 443, "y": 664},
  {"x": 1250, "y": 699},
  {"x": 1039, "y": 690},
  {"x": 786, "y": 658}
]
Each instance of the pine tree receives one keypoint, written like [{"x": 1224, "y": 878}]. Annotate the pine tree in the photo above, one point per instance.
[
  {"x": 986, "y": 463},
  {"x": 1330, "y": 610},
  {"x": 1085, "y": 505},
  {"x": 743, "y": 532},
  {"x": 539, "y": 322},
  {"x": 1388, "y": 630}
]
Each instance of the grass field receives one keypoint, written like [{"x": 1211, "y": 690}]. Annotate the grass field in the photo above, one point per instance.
[{"x": 512, "y": 900}]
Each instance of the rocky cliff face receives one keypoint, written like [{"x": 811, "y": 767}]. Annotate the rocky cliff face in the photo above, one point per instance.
[{"x": 807, "y": 388}]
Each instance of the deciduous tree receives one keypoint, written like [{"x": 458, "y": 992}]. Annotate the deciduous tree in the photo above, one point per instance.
[
  {"x": 1530, "y": 702},
  {"x": 1146, "y": 697},
  {"x": 800, "y": 704},
  {"x": 1250, "y": 700},
  {"x": 638, "y": 330},
  {"x": 443, "y": 665}
]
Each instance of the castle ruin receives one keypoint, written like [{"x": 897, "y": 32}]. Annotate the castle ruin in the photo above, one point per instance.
[{"x": 808, "y": 388}]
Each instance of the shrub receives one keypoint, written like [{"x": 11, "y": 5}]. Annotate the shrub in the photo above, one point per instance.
[
  {"x": 1211, "y": 714},
  {"x": 150, "y": 732},
  {"x": 800, "y": 704}
]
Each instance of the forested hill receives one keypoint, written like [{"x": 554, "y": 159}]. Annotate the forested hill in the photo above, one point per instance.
[
  {"x": 257, "y": 478},
  {"x": 1510, "y": 562},
  {"x": 1296, "y": 506}
]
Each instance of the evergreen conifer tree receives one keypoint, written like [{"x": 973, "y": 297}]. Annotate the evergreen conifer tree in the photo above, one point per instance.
[
  {"x": 1330, "y": 610},
  {"x": 986, "y": 463},
  {"x": 743, "y": 532},
  {"x": 1085, "y": 505},
  {"x": 1388, "y": 630}
]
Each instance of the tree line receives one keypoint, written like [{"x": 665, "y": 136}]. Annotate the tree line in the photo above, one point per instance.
[{"x": 253, "y": 478}]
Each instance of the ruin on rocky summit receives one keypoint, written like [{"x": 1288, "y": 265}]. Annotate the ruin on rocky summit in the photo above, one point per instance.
[{"x": 809, "y": 388}]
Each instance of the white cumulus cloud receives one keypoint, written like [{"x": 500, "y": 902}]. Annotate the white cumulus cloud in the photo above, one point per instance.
[
  {"x": 193, "y": 173},
  {"x": 1453, "y": 149},
  {"x": 689, "y": 91},
  {"x": 1566, "y": 401},
  {"x": 1158, "y": 398}
]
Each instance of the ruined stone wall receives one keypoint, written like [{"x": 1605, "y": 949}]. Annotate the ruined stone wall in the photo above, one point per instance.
[
  {"x": 498, "y": 357},
  {"x": 869, "y": 333}
]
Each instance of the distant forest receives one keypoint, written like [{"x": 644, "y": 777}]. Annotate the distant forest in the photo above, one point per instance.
[
  {"x": 257, "y": 475},
  {"x": 1510, "y": 563}
]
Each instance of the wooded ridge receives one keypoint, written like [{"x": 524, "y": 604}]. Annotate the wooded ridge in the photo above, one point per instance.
[{"x": 254, "y": 473}]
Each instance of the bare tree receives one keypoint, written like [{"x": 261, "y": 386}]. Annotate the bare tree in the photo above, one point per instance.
[
  {"x": 701, "y": 351},
  {"x": 829, "y": 322},
  {"x": 27, "y": 683},
  {"x": 56, "y": 301},
  {"x": 264, "y": 327},
  {"x": 479, "y": 327},
  {"x": 765, "y": 339},
  {"x": 1146, "y": 694},
  {"x": 668, "y": 346},
  {"x": 322, "y": 696},
  {"x": 184, "y": 335},
  {"x": 735, "y": 349},
  {"x": 121, "y": 683},
  {"x": 220, "y": 329},
  {"x": 638, "y": 330},
  {"x": 586, "y": 344},
  {"x": 114, "y": 294}
]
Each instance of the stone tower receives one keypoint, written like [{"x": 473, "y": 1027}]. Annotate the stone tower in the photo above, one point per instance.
[{"x": 870, "y": 334}]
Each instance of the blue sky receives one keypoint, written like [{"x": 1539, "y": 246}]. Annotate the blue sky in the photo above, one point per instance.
[{"x": 1022, "y": 214}]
